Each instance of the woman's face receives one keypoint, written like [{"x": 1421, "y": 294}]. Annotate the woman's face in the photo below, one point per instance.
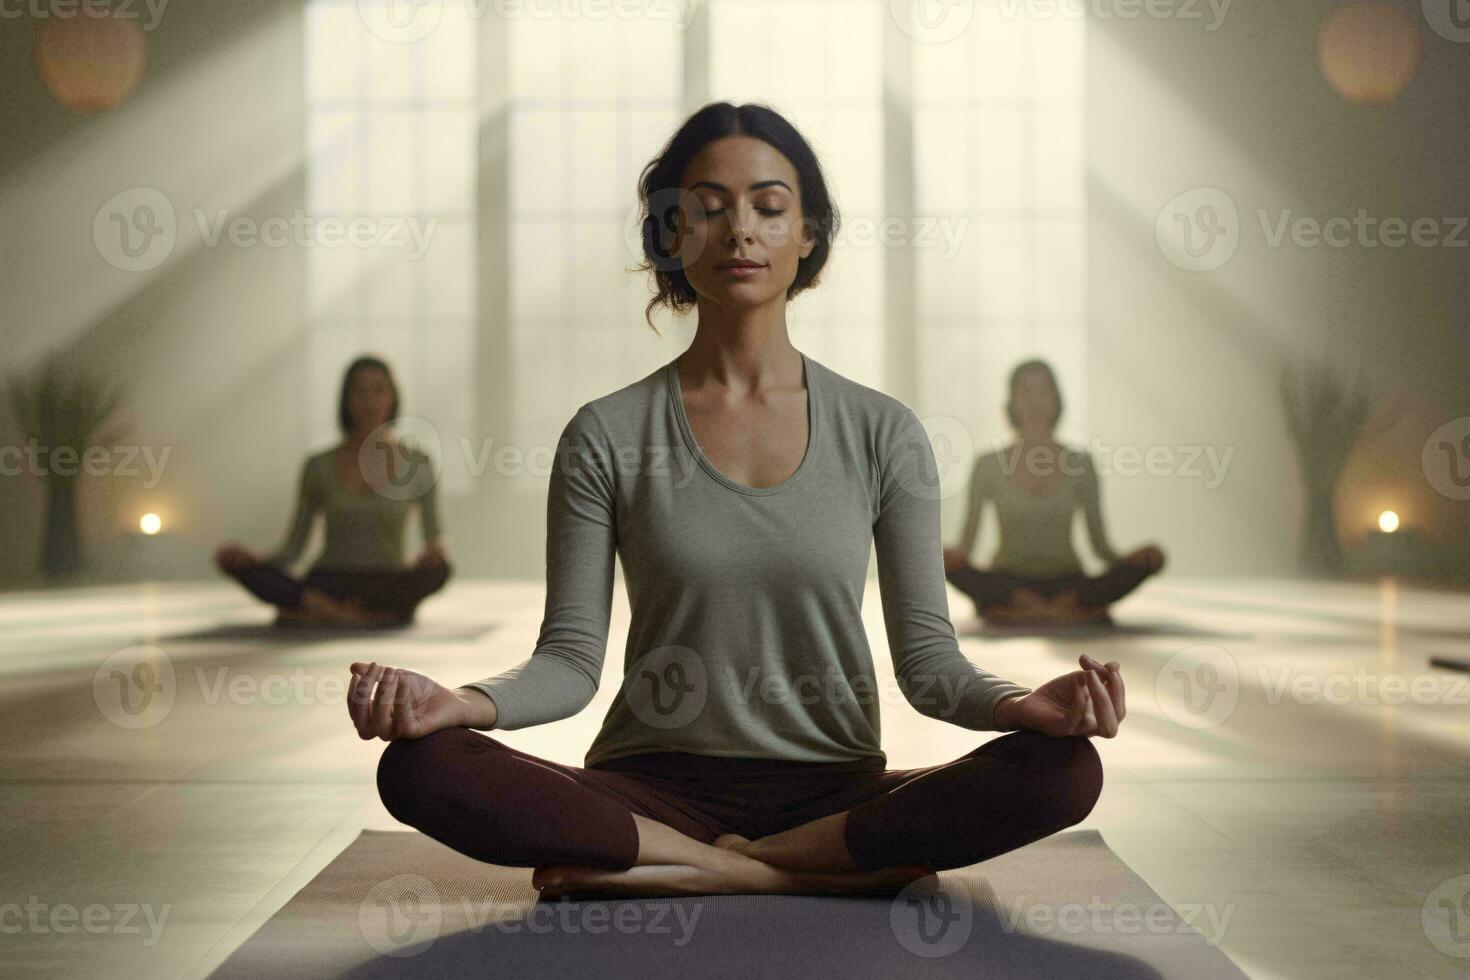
[
  {"x": 741, "y": 201},
  {"x": 1035, "y": 401},
  {"x": 369, "y": 398}
]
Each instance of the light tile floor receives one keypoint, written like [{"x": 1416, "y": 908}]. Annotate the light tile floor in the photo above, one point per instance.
[{"x": 1311, "y": 835}]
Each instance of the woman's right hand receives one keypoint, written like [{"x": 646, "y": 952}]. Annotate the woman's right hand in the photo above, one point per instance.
[{"x": 390, "y": 702}]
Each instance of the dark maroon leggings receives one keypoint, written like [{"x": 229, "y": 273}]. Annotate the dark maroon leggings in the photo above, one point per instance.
[
  {"x": 504, "y": 806},
  {"x": 397, "y": 590},
  {"x": 987, "y": 588}
]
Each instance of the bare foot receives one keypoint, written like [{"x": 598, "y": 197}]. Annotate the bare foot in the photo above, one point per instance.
[
  {"x": 1150, "y": 558},
  {"x": 746, "y": 876}
]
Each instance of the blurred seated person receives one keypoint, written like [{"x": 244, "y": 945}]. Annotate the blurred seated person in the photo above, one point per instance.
[
  {"x": 365, "y": 488},
  {"x": 1037, "y": 485}
]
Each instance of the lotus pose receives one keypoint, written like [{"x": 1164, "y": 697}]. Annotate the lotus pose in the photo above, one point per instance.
[
  {"x": 365, "y": 488},
  {"x": 743, "y": 485},
  {"x": 1037, "y": 485}
]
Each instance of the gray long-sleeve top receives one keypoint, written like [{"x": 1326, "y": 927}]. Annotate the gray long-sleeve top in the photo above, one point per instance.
[
  {"x": 364, "y": 530},
  {"x": 1036, "y": 529},
  {"x": 746, "y": 636}
]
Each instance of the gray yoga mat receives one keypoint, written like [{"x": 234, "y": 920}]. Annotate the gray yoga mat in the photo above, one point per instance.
[
  {"x": 298, "y": 633},
  {"x": 397, "y": 904}
]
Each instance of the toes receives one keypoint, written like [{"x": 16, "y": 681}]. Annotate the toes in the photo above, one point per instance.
[{"x": 552, "y": 878}]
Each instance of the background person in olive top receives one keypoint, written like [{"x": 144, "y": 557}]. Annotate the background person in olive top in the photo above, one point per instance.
[
  {"x": 1037, "y": 485},
  {"x": 743, "y": 486},
  {"x": 360, "y": 578}
]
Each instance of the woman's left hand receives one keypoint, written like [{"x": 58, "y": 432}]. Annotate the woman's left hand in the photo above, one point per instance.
[{"x": 1083, "y": 702}]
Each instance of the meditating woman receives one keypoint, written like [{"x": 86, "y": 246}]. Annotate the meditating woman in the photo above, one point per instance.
[
  {"x": 744, "y": 485},
  {"x": 1037, "y": 485},
  {"x": 365, "y": 488}
]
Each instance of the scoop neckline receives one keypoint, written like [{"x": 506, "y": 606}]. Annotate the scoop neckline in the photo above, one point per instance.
[{"x": 813, "y": 420}]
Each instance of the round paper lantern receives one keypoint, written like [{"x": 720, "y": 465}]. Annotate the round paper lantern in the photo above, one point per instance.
[
  {"x": 1369, "y": 52},
  {"x": 90, "y": 63}
]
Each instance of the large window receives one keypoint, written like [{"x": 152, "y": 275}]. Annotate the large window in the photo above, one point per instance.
[
  {"x": 820, "y": 63},
  {"x": 391, "y": 136},
  {"x": 592, "y": 100},
  {"x": 998, "y": 144},
  {"x": 988, "y": 195}
]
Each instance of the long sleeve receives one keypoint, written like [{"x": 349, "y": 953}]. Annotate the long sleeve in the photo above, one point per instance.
[
  {"x": 308, "y": 502},
  {"x": 561, "y": 676},
  {"x": 429, "y": 510},
  {"x": 1092, "y": 509},
  {"x": 935, "y": 676},
  {"x": 979, "y": 493}
]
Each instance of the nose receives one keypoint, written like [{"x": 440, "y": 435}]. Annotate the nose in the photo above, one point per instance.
[{"x": 737, "y": 230}]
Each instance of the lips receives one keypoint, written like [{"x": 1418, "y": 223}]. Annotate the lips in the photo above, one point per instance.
[{"x": 741, "y": 264}]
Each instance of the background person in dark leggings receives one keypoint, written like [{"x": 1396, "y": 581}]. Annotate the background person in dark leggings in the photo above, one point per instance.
[
  {"x": 1036, "y": 486},
  {"x": 365, "y": 488},
  {"x": 745, "y": 544}
]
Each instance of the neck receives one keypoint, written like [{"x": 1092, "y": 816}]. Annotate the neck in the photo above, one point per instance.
[
  {"x": 744, "y": 348},
  {"x": 357, "y": 437}
]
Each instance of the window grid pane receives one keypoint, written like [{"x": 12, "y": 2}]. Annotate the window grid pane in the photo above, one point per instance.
[
  {"x": 591, "y": 102},
  {"x": 999, "y": 148},
  {"x": 391, "y": 133}
]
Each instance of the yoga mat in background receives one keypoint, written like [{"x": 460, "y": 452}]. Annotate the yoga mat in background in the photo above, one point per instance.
[
  {"x": 298, "y": 633},
  {"x": 397, "y": 904}
]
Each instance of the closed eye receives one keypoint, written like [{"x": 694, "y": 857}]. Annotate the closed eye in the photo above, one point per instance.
[{"x": 768, "y": 212}]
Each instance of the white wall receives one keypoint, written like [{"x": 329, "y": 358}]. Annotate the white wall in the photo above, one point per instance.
[
  {"x": 214, "y": 337},
  {"x": 1192, "y": 358}
]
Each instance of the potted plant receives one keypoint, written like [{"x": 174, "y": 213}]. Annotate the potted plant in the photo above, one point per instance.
[
  {"x": 63, "y": 408},
  {"x": 1325, "y": 416}
]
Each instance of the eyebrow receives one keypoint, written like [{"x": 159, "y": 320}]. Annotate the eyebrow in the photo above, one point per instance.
[{"x": 758, "y": 185}]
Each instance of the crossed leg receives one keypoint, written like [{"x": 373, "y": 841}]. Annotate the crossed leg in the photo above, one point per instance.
[
  {"x": 585, "y": 831},
  {"x": 592, "y": 832}
]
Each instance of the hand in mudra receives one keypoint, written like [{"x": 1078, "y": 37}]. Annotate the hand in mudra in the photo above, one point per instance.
[
  {"x": 390, "y": 702},
  {"x": 1083, "y": 702}
]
